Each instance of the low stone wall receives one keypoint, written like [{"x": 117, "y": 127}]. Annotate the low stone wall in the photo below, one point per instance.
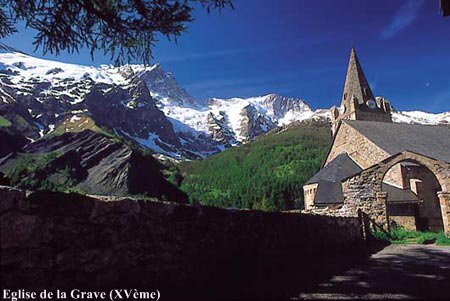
[{"x": 64, "y": 241}]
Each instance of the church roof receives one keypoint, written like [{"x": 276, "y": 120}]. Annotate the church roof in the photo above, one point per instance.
[
  {"x": 428, "y": 140},
  {"x": 396, "y": 194},
  {"x": 356, "y": 84},
  {"x": 329, "y": 178}
]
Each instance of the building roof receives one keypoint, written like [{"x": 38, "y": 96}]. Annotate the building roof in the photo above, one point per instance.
[
  {"x": 329, "y": 190},
  {"x": 396, "y": 194},
  {"x": 428, "y": 140},
  {"x": 328, "y": 193},
  {"x": 341, "y": 167}
]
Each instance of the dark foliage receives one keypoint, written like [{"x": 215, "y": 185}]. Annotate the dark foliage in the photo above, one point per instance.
[
  {"x": 124, "y": 29},
  {"x": 4, "y": 180},
  {"x": 266, "y": 174},
  {"x": 10, "y": 141},
  {"x": 445, "y": 8}
]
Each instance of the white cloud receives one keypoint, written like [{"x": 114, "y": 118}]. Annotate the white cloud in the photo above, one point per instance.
[{"x": 406, "y": 15}]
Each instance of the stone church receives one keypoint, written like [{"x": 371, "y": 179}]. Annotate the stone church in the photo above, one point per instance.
[{"x": 398, "y": 174}]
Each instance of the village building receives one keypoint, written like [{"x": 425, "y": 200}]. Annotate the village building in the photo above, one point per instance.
[{"x": 398, "y": 174}]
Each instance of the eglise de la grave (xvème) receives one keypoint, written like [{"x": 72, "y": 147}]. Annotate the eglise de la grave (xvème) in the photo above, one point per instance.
[{"x": 398, "y": 174}]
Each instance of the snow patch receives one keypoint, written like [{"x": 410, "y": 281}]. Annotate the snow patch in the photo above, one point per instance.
[
  {"x": 74, "y": 118},
  {"x": 421, "y": 117},
  {"x": 151, "y": 143},
  {"x": 51, "y": 128}
]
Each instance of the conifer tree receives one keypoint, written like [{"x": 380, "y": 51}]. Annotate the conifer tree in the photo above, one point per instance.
[{"x": 123, "y": 29}]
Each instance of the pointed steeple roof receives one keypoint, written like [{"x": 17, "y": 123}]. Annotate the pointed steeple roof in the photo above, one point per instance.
[{"x": 356, "y": 85}]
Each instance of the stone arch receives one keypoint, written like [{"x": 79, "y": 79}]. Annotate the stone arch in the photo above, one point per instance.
[
  {"x": 412, "y": 201},
  {"x": 437, "y": 168},
  {"x": 364, "y": 190}
]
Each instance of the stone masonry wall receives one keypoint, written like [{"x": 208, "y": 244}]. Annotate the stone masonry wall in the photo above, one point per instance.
[
  {"x": 360, "y": 192},
  {"x": 395, "y": 177},
  {"x": 309, "y": 192},
  {"x": 358, "y": 147},
  {"x": 65, "y": 241}
]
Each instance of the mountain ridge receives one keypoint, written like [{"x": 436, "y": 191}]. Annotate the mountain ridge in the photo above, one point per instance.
[{"x": 146, "y": 105}]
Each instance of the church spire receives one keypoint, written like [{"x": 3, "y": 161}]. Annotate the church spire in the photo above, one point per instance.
[
  {"x": 357, "y": 101},
  {"x": 356, "y": 86}
]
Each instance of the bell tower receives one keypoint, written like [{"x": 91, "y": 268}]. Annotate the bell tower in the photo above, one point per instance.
[{"x": 358, "y": 102}]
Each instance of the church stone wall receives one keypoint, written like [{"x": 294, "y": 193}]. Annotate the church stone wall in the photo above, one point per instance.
[
  {"x": 64, "y": 241},
  {"x": 371, "y": 116},
  {"x": 394, "y": 177},
  {"x": 359, "y": 193},
  {"x": 407, "y": 222},
  {"x": 359, "y": 148},
  {"x": 309, "y": 192},
  {"x": 444, "y": 199}
]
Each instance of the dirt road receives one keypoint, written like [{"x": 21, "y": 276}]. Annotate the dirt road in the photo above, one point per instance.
[{"x": 396, "y": 272}]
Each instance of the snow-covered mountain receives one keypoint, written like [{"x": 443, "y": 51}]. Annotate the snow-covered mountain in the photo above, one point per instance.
[
  {"x": 145, "y": 105},
  {"x": 38, "y": 95},
  {"x": 236, "y": 120},
  {"x": 420, "y": 117}
]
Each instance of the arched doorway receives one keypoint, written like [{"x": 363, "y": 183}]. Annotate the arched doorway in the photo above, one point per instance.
[{"x": 412, "y": 200}]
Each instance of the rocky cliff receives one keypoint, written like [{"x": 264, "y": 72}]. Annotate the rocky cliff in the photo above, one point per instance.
[{"x": 90, "y": 163}]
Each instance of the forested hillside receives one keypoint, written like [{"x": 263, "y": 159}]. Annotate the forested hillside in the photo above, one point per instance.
[{"x": 267, "y": 173}]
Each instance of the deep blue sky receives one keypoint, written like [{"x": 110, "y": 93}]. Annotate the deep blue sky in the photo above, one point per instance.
[{"x": 300, "y": 48}]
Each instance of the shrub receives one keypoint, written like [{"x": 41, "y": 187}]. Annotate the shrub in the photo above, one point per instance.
[
  {"x": 380, "y": 235},
  {"x": 442, "y": 240},
  {"x": 399, "y": 235},
  {"x": 425, "y": 238},
  {"x": 4, "y": 122},
  {"x": 29, "y": 171}
]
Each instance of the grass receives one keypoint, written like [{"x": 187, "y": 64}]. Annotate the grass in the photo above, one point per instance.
[
  {"x": 27, "y": 164},
  {"x": 442, "y": 240},
  {"x": 4, "y": 122},
  {"x": 79, "y": 124},
  {"x": 75, "y": 125},
  {"x": 399, "y": 235}
]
